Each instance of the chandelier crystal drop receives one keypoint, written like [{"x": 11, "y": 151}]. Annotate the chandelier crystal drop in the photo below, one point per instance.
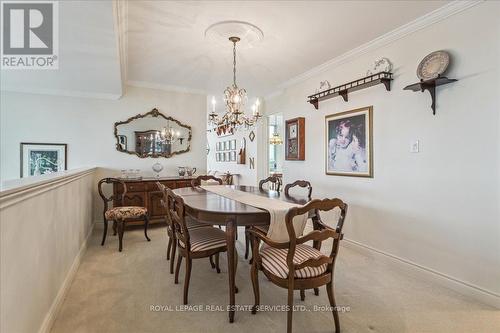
[{"x": 235, "y": 99}]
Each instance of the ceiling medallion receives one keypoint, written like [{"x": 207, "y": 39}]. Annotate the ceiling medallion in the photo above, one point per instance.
[{"x": 235, "y": 99}]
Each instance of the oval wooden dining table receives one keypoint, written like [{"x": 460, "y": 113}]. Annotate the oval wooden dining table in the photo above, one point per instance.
[{"x": 211, "y": 208}]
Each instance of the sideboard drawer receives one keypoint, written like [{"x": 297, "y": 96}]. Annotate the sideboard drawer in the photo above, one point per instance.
[
  {"x": 136, "y": 187},
  {"x": 183, "y": 183},
  {"x": 153, "y": 186}
]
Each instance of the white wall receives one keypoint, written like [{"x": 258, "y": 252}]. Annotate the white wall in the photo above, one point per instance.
[
  {"x": 438, "y": 208},
  {"x": 43, "y": 235},
  {"x": 86, "y": 125}
]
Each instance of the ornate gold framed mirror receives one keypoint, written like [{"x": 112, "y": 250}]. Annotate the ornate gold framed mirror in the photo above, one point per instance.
[{"x": 152, "y": 135}]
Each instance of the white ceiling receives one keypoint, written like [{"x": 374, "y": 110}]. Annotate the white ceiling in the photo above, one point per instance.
[{"x": 167, "y": 47}]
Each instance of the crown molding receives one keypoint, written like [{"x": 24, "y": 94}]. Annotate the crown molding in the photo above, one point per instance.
[
  {"x": 165, "y": 87},
  {"x": 62, "y": 92},
  {"x": 422, "y": 22}
]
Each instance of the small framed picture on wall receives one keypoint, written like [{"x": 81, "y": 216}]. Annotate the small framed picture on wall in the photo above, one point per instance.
[
  {"x": 233, "y": 156},
  {"x": 42, "y": 158},
  {"x": 295, "y": 134}
]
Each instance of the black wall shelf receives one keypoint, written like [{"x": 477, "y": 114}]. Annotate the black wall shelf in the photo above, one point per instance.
[
  {"x": 383, "y": 77},
  {"x": 430, "y": 86}
]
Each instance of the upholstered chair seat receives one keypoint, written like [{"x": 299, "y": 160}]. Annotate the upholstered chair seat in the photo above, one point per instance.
[
  {"x": 203, "y": 239},
  {"x": 125, "y": 212},
  {"x": 274, "y": 261}
]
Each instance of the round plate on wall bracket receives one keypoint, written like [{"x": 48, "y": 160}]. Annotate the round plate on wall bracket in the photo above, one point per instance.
[
  {"x": 251, "y": 136},
  {"x": 433, "y": 65}
]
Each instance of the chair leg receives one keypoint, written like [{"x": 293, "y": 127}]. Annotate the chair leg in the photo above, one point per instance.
[
  {"x": 105, "y": 232},
  {"x": 178, "y": 268},
  {"x": 121, "y": 228},
  {"x": 316, "y": 291},
  {"x": 169, "y": 247},
  {"x": 114, "y": 228},
  {"x": 290, "y": 306},
  {"x": 247, "y": 243},
  {"x": 329, "y": 290},
  {"x": 187, "y": 276},
  {"x": 217, "y": 263},
  {"x": 212, "y": 262},
  {"x": 146, "y": 222},
  {"x": 302, "y": 294},
  {"x": 172, "y": 258},
  {"x": 254, "y": 274}
]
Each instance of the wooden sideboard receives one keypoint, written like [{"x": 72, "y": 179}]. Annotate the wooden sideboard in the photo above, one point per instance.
[{"x": 145, "y": 193}]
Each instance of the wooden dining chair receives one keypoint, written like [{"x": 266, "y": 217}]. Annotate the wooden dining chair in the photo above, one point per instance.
[
  {"x": 193, "y": 244},
  {"x": 205, "y": 178},
  {"x": 296, "y": 266},
  {"x": 300, "y": 183},
  {"x": 119, "y": 213},
  {"x": 172, "y": 241},
  {"x": 275, "y": 183}
]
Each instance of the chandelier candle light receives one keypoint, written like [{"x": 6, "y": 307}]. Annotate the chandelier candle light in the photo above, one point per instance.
[{"x": 235, "y": 99}]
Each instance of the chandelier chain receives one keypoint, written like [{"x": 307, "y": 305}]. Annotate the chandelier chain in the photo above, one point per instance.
[{"x": 234, "y": 63}]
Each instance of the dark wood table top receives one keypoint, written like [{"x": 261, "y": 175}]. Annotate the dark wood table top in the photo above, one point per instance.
[{"x": 205, "y": 201}]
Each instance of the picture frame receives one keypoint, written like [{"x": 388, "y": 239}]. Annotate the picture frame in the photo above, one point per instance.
[
  {"x": 42, "y": 158},
  {"x": 228, "y": 157},
  {"x": 217, "y": 146},
  {"x": 295, "y": 136},
  {"x": 233, "y": 144},
  {"x": 122, "y": 141},
  {"x": 233, "y": 156},
  {"x": 349, "y": 143},
  {"x": 217, "y": 157},
  {"x": 226, "y": 145}
]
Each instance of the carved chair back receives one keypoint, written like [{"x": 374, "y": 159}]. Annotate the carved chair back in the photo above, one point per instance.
[
  {"x": 178, "y": 218},
  {"x": 197, "y": 181},
  {"x": 165, "y": 203},
  {"x": 325, "y": 232},
  {"x": 118, "y": 198},
  {"x": 271, "y": 179},
  {"x": 300, "y": 183}
]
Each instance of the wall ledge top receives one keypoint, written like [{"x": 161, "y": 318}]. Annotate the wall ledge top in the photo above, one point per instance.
[{"x": 12, "y": 191}]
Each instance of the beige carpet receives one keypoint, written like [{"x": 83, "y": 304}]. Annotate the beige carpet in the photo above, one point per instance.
[{"x": 114, "y": 292}]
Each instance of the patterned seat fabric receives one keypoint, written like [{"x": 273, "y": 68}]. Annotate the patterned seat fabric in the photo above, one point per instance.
[
  {"x": 274, "y": 261},
  {"x": 126, "y": 212},
  {"x": 203, "y": 239}
]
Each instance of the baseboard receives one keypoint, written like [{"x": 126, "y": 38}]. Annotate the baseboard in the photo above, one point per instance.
[
  {"x": 480, "y": 294},
  {"x": 48, "y": 322}
]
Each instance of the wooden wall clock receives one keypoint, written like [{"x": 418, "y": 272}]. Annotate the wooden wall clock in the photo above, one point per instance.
[{"x": 295, "y": 137}]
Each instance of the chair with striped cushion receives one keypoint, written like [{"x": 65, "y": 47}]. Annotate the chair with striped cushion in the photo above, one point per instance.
[
  {"x": 195, "y": 243},
  {"x": 172, "y": 242},
  {"x": 294, "y": 265},
  {"x": 300, "y": 183}
]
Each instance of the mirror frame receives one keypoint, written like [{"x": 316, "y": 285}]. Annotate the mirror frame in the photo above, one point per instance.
[{"x": 155, "y": 113}]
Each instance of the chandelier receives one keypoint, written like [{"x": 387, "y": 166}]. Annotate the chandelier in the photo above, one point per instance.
[
  {"x": 169, "y": 135},
  {"x": 276, "y": 139},
  {"x": 235, "y": 99}
]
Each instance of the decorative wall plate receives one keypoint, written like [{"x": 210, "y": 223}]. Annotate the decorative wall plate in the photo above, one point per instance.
[{"x": 433, "y": 65}]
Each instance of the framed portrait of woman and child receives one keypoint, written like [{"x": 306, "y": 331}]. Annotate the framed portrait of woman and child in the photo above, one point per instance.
[{"x": 349, "y": 143}]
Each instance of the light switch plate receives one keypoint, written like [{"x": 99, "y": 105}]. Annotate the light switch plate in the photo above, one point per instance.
[{"x": 414, "y": 146}]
